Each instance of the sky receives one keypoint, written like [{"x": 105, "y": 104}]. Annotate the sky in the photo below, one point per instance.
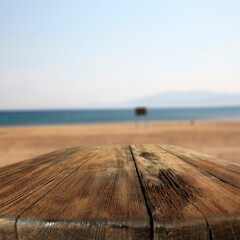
[{"x": 73, "y": 54}]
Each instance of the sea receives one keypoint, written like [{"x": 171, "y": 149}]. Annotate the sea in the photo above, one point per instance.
[{"x": 90, "y": 116}]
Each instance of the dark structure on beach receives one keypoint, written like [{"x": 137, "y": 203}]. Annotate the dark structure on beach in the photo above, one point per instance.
[{"x": 141, "y": 111}]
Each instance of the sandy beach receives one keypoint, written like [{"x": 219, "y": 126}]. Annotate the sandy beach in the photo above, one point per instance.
[{"x": 220, "y": 139}]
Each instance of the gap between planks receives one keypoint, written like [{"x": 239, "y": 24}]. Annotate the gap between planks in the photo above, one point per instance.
[
  {"x": 149, "y": 210},
  {"x": 144, "y": 195},
  {"x": 147, "y": 152}
]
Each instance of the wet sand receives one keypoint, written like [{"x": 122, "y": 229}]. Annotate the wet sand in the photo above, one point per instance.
[{"x": 220, "y": 139}]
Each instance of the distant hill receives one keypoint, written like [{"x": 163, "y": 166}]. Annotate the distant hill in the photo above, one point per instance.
[{"x": 186, "y": 99}]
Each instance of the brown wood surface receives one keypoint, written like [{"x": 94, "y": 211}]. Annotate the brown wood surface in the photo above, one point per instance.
[
  {"x": 22, "y": 184},
  {"x": 99, "y": 198},
  {"x": 226, "y": 171},
  {"x": 120, "y": 192},
  {"x": 185, "y": 201}
]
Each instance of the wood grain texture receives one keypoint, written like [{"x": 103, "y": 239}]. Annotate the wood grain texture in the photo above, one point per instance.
[
  {"x": 226, "y": 171},
  {"x": 22, "y": 184},
  {"x": 101, "y": 200},
  {"x": 120, "y": 192},
  {"x": 186, "y": 202}
]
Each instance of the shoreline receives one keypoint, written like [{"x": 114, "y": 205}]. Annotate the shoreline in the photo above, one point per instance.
[
  {"x": 218, "y": 138},
  {"x": 220, "y": 120},
  {"x": 116, "y": 116}
]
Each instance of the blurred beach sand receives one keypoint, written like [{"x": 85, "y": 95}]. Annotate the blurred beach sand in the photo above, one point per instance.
[{"x": 220, "y": 139}]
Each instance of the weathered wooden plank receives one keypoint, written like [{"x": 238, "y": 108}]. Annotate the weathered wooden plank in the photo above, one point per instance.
[
  {"x": 21, "y": 185},
  {"x": 20, "y": 166},
  {"x": 186, "y": 202},
  {"x": 101, "y": 200},
  {"x": 227, "y": 171}
]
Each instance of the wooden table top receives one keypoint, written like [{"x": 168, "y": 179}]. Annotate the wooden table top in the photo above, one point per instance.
[{"x": 120, "y": 192}]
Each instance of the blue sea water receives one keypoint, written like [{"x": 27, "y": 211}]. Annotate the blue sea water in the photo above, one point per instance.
[{"x": 53, "y": 117}]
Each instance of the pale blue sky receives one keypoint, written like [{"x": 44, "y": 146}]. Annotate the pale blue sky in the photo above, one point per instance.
[{"x": 60, "y": 54}]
